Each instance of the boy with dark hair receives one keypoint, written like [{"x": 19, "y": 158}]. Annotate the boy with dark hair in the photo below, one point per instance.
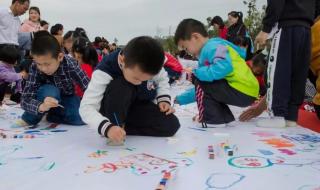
[
  {"x": 50, "y": 85},
  {"x": 289, "y": 58},
  {"x": 128, "y": 93},
  {"x": 223, "y": 77}
]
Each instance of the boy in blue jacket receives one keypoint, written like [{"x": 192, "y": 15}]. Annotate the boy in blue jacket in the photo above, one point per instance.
[{"x": 223, "y": 77}]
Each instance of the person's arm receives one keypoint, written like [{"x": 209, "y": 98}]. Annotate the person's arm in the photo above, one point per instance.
[
  {"x": 11, "y": 76},
  {"x": 29, "y": 102},
  {"x": 220, "y": 68},
  {"x": 163, "y": 93},
  {"x": 273, "y": 13},
  {"x": 91, "y": 103},
  {"x": 254, "y": 111}
]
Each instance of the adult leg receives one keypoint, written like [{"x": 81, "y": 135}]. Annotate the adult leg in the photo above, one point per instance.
[{"x": 301, "y": 52}]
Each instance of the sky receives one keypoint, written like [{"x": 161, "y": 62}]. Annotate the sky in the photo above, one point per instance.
[{"x": 127, "y": 19}]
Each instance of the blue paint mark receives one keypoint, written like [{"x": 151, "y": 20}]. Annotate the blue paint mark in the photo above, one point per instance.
[
  {"x": 303, "y": 138},
  {"x": 223, "y": 180},
  {"x": 59, "y": 131},
  {"x": 265, "y": 152}
]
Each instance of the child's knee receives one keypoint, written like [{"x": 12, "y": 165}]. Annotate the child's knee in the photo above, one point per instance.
[
  {"x": 48, "y": 91},
  {"x": 171, "y": 125}
]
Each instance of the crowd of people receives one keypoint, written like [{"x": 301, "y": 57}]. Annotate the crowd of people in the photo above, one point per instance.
[{"x": 125, "y": 91}]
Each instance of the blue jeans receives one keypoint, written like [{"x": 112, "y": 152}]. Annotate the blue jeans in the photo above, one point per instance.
[{"x": 67, "y": 115}]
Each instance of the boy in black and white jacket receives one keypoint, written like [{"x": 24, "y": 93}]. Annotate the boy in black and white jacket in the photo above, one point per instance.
[{"x": 129, "y": 93}]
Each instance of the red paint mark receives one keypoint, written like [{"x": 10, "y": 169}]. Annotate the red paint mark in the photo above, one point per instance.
[{"x": 287, "y": 151}]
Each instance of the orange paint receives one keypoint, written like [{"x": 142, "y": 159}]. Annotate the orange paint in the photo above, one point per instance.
[{"x": 278, "y": 143}]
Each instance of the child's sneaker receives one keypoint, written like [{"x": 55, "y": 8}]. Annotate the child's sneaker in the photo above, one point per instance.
[
  {"x": 19, "y": 124},
  {"x": 205, "y": 125},
  {"x": 291, "y": 123},
  {"x": 273, "y": 122}
]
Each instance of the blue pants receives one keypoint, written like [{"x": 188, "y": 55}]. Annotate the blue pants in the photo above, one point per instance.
[{"x": 67, "y": 115}]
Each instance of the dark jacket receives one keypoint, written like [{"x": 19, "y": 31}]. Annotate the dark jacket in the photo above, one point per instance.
[{"x": 289, "y": 13}]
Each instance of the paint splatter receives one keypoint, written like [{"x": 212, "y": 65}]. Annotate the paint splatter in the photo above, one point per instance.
[
  {"x": 278, "y": 143},
  {"x": 303, "y": 138},
  {"x": 265, "y": 152},
  {"x": 250, "y": 162},
  {"x": 139, "y": 164},
  {"x": 223, "y": 180},
  {"x": 98, "y": 154},
  {"x": 48, "y": 166},
  {"x": 263, "y": 134},
  {"x": 188, "y": 153},
  {"x": 287, "y": 152}
]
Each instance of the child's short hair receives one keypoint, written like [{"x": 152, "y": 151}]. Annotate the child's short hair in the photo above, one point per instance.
[
  {"x": 19, "y": 1},
  {"x": 259, "y": 60},
  {"x": 44, "y": 43},
  {"x": 217, "y": 20},
  {"x": 145, "y": 52},
  {"x": 9, "y": 54},
  {"x": 88, "y": 52},
  {"x": 55, "y": 29},
  {"x": 43, "y": 22},
  {"x": 187, "y": 27}
]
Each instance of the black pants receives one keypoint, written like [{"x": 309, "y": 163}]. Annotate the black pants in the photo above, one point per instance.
[
  {"x": 287, "y": 71},
  {"x": 140, "y": 117},
  {"x": 213, "y": 99}
]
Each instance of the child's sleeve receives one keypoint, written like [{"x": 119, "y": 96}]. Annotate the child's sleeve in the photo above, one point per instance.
[
  {"x": 91, "y": 102},
  {"x": 220, "y": 68},
  {"x": 163, "y": 92},
  {"x": 29, "y": 102},
  {"x": 10, "y": 77},
  {"x": 189, "y": 96},
  {"x": 273, "y": 13}
]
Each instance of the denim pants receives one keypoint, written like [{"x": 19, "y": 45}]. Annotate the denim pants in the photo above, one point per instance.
[{"x": 67, "y": 115}]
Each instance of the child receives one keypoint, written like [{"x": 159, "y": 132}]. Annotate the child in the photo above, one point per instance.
[
  {"x": 8, "y": 58},
  {"x": 87, "y": 58},
  {"x": 68, "y": 43},
  {"x": 289, "y": 58},
  {"x": 49, "y": 87},
  {"x": 258, "y": 66},
  {"x": 219, "y": 25},
  {"x": 129, "y": 88},
  {"x": 222, "y": 79},
  {"x": 173, "y": 68}
]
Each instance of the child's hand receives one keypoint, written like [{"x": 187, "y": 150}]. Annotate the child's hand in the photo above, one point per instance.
[
  {"x": 165, "y": 107},
  {"x": 254, "y": 111},
  {"x": 116, "y": 134},
  {"x": 48, "y": 103},
  {"x": 261, "y": 39},
  {"x": 24, "y": 75}
]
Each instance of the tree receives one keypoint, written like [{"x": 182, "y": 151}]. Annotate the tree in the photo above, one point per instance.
[{"x": 253, "y": 21}]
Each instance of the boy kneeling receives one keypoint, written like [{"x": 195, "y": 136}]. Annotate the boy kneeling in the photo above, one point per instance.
[{"x": 128, "y": 93}]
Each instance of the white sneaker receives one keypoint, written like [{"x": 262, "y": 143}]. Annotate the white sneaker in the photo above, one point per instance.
[
  {"x": 291, "y": 123},
  {"x": 274, "y": 122}
]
